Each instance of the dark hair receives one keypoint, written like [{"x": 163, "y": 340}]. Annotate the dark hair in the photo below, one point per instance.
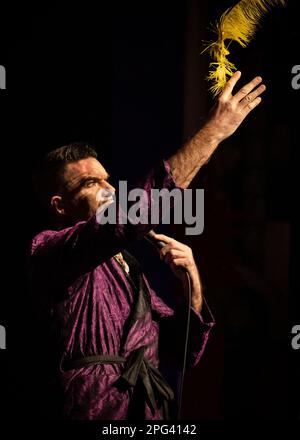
[{"x": 47, "y": 176}]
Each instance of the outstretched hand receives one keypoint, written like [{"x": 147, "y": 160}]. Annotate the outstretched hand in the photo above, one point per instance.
[
  {"x": 224, "y": 118},
  {"x": 231, "y": 109}
]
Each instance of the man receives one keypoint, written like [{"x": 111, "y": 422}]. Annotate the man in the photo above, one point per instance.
[{"x": 99, "y": 311}]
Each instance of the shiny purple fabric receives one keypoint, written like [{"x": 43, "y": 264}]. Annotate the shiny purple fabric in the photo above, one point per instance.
[{"x": 86, "y": 298}]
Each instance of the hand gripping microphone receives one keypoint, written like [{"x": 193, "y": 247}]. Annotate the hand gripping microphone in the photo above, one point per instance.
[{"x": 156, "y": 243}]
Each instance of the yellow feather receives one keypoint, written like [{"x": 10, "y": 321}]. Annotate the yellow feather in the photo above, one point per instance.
[{"x": 238, "y": 23}]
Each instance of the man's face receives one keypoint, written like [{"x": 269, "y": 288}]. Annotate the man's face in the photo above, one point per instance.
[{"x": 83, "y": 180}]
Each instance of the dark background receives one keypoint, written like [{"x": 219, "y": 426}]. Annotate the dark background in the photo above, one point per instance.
[{"x": 130, "y": 78}]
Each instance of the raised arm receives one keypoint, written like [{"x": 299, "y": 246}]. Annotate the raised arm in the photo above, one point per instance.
[{"x": 224, "y": 118}]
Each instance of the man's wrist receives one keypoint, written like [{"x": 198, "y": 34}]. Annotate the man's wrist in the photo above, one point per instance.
[
  {"x": 210, "y": 136},
  {"x": 196, "y": 290},
  {"x": 197, "y": 301}
]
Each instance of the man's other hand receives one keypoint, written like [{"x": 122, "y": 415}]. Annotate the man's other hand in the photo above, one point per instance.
[{"x": 180, "y": 259}]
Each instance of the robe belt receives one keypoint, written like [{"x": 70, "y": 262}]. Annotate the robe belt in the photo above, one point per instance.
[{"x": 135, "y": 366}]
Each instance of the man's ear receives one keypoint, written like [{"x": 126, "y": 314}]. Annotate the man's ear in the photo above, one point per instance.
[{"x": 58, "y": 205}]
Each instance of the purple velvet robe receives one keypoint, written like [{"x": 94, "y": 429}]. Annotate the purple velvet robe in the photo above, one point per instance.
[{"x": 86, "y": 298}]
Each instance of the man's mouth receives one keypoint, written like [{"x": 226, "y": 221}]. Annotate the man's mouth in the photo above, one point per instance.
[{"x": 104, "y": 197}]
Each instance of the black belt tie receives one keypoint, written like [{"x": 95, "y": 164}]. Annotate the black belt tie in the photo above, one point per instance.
[{"x": 139, "y": 374}]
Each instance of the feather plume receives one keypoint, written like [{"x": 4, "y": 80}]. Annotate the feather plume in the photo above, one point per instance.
[{"x": 239, "y": 24}]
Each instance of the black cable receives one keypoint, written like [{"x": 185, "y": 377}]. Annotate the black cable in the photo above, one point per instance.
[
  {"x": 158, "y": 245},
  {"x": 186, "y": 342}
]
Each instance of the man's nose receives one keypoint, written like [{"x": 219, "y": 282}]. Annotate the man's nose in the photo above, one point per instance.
[{"x": 108, "y": 186}]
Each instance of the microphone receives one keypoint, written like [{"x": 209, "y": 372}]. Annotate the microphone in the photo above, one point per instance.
[{"x": 156, "y": 243}]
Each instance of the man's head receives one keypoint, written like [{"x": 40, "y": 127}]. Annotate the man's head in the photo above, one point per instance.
[{"x": 68, "y": 181}]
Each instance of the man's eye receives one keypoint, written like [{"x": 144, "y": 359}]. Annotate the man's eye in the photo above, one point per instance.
[{"x": 89, "y": 183}]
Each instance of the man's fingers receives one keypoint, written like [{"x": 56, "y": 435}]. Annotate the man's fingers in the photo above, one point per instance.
[
  {"x": 230, "y": 85},
  {"x": 162, "y": 237},
  {"x": 252, "y": 96},
  {"x": 172, "y": 253},
  {"x": 244, "y": 91},
  {"x": 250, "y": 106},
  {"x": 166, "y": 239},
  {"x": 180, "y": 262}
]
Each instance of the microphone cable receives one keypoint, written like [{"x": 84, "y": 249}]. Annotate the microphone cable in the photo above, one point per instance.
[
  {"x": 187, "y": 331},
  {"x": 158, "y": 245}
]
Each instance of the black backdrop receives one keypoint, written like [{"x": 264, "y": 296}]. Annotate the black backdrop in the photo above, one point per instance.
[{"x": 116, "y": 76}]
